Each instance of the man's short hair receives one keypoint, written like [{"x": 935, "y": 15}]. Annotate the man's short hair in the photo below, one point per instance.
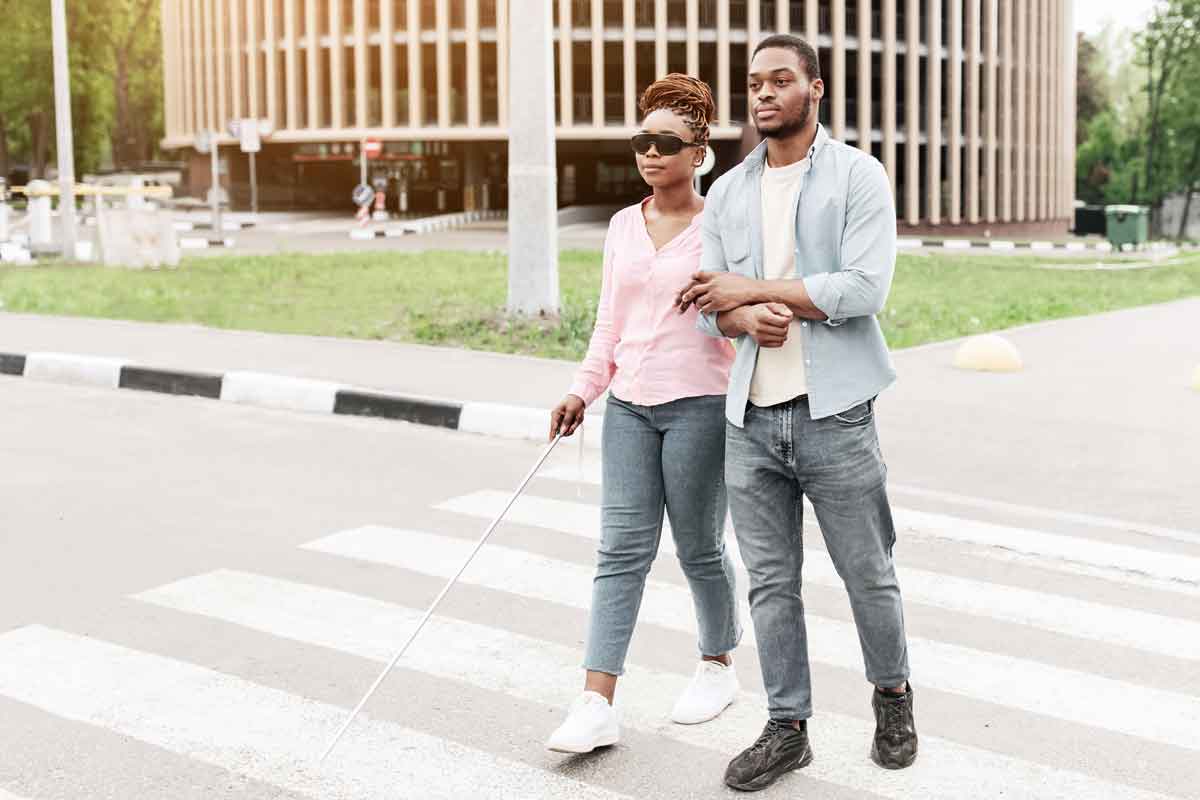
[{"x": 801, "y": 47}]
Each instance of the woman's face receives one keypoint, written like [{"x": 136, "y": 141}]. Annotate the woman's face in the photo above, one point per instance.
[{"x": 658, "y": 169}]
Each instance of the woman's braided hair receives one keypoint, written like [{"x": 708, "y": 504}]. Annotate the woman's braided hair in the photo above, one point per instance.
[{"x": 688, "y": 97}]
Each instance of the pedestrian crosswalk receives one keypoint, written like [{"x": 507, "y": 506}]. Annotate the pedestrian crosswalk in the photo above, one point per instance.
[{"x": 273, "y": 734}]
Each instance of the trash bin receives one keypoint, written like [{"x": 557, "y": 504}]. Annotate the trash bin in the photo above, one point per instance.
[{"x": 1127, "y": 225}]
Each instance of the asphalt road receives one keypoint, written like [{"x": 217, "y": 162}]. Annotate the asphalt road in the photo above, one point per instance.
[{"x": 193, "y": 594}]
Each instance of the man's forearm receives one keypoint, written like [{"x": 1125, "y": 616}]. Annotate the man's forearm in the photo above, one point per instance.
[{"x": 790, "y": 293}]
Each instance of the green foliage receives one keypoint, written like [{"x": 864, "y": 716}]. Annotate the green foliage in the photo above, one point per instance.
[
  {"x": 102, "y": 34},
  {"x": 457, "y": 299}
]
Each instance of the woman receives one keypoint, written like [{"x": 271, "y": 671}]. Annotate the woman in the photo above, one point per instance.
[{"x": 664, "y": 426}]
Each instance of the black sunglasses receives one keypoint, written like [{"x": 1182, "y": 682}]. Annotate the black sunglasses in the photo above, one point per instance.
[{"x": 667, "y": 144}]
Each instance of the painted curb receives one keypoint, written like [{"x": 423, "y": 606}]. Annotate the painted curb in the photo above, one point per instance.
[{"x": 269, "y": 390}]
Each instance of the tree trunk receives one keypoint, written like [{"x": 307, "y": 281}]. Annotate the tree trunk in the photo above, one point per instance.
[
  {"x": 39, "y": 143},
  {"x": 4, "y": 165},
  {"x": 124, "y": 138},
  {"x": 1191, "y": 184}
]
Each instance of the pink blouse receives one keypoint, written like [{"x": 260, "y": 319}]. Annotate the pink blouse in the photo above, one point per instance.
[{"x": 642, "y": 348}]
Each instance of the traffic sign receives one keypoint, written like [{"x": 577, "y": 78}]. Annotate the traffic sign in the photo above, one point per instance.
[
  {"x": 372, "y": 148},
  {"x": 362, "y": 195},
  {"x": 203, "y": 141}
]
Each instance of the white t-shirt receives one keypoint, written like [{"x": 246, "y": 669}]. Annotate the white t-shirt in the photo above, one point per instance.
[{"x": 779, "y": 374}]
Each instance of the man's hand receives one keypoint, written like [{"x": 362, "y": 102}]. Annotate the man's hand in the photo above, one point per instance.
[
  {"x": 566, "y": 416},
  {"x": 716, "y": 291},
  {"x": 765, "y": 323}
]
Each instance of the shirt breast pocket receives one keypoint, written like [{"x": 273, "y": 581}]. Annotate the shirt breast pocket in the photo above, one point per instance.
[
  {"x": 821, "y": 235},
  {"x": 736, "y": 244}
]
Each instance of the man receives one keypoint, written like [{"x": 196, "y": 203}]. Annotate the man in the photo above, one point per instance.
[{"x": 799, "y": 251}]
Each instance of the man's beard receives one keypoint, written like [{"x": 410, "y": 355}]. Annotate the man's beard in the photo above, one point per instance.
[{"x": 788, "y": 127}]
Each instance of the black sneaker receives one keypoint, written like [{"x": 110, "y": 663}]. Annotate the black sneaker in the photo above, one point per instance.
[
  {"x": 779, "y": 749},
  {"x": 895, "y": 742}
]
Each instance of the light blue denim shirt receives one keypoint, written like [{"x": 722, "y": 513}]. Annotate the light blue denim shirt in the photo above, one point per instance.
[{"x": 845, "y": 254}]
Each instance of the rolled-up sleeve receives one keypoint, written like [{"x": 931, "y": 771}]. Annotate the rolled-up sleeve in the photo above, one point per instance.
[
  {"x": 712, "y": 259},
  {"x": 860, "y": 286}
]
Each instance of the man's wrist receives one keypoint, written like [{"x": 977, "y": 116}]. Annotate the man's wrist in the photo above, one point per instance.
[{"x": 730, "y": 322}]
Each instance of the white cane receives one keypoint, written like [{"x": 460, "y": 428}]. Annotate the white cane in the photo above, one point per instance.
[{"x": 432, "y": 608}]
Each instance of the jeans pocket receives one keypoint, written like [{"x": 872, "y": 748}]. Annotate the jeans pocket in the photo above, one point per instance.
[{"x": 857, "y": 415}]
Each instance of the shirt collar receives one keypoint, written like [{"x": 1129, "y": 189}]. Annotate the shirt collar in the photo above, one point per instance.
[{"x": 757, "y": 160}]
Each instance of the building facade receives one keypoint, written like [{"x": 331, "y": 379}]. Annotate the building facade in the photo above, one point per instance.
[{"x": 969, "y": 104}]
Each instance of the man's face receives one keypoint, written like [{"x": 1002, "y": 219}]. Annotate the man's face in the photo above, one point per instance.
[{"x": 782, "y": 98}]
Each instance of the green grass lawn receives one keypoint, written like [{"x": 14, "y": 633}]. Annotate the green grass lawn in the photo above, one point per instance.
[{"x": 457, "y": 298}]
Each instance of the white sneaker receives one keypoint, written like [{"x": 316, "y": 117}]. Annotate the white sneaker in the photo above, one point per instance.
[
  {"x": 713, "y": 688},
  {"x": 591, "y": 722}
]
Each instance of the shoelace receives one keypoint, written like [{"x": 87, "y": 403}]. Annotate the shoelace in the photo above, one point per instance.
[
  {"x": 893, "y": 720},
  {"x": 765, "y": 738}
]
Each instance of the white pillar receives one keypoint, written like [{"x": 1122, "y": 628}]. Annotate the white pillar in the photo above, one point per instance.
[
  {"x": 532, "y": 199},
  {"x": 62, "y": 124}
]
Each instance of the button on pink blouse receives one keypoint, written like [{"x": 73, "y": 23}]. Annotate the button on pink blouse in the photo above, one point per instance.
[{"x": 642, "y": 349}]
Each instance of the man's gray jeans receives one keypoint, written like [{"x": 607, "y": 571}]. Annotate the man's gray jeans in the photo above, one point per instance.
[{"x": 780, "y": 456}]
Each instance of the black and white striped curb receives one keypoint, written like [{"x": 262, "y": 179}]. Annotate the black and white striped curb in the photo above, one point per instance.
[
  {"x": 226, "y": 225},
  {"x": 441, "y": 222},
  {"x": 913, "y": 243},
  {"x": 201, "y": 243},
  {"x": 269, "y": 390}
]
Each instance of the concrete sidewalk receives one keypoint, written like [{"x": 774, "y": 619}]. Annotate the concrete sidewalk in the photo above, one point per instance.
[{"x": 1102, "y": 420}]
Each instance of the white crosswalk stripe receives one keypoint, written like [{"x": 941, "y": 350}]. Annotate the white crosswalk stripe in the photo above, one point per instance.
[
  {"x": 1152, "y": 714},
  {"x": 256, "y": 731},
  {"x": 548, "y": 673},
  {"x": 1165, "y": 571},
  {"x": 1152, "y": 633},
  {"x": 272, "y": 736}
]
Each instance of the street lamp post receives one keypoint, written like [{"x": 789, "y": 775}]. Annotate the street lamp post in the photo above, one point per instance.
[{"x": 62, "y": 114}]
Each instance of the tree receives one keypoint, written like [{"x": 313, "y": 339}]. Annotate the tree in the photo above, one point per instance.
[
  {"x": 1093, "y": 84},
  {"x": 116, "y": 83},
  {"x": 1168, "y": 48}
]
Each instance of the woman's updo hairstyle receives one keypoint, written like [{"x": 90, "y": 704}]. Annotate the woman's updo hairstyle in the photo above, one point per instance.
[{"x": 689, "y": 97}]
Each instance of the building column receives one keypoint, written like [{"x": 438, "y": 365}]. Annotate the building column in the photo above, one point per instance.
[
  {"x": 1021, "y": 66},
  {"x": 416, "y": 87},
  {"x": 888, "y": 107},
  {"x": 597, "y": 62},
  {"x": 812, "y": 26},
  {"x": 222, "y": 116},
  {"x": 271, "y": 71},
  {"x": 387, "y": 64},
  {"x": 337, "y": 62},
  {"x": 693, "y": 37},
  {"x": 990, "y": 98},
  {"x": 253, "y": 46},
  {"x": 291, "y": 66},
  {"x": 912, "y": 113},
  {"x": 864, "y": 76},
  {"x": 474, "y": 74},
  {"x": 441, "y": 10},
  {"x": 502, "y": 61},
  {"x": 566, "y": 65},
  {"x": 1008, "y": 108},
  {"x": 660, "y": 39},
  {"x": 973, "y": 95},
  {"x": 1043, "y": 185},
  {"x": 838, "y": 63},
  {"x": 954, "y": 96},
  {"x": 237, "y": 50},
  {"x": 722, "y": 86},
  {"x": 312, "y": 59},
  {"x": 783, "y": 17},
  {"x": 210, "y": 66},
  {"x": 532, "y": 200},
  {"x": 933, "y": 98}
]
